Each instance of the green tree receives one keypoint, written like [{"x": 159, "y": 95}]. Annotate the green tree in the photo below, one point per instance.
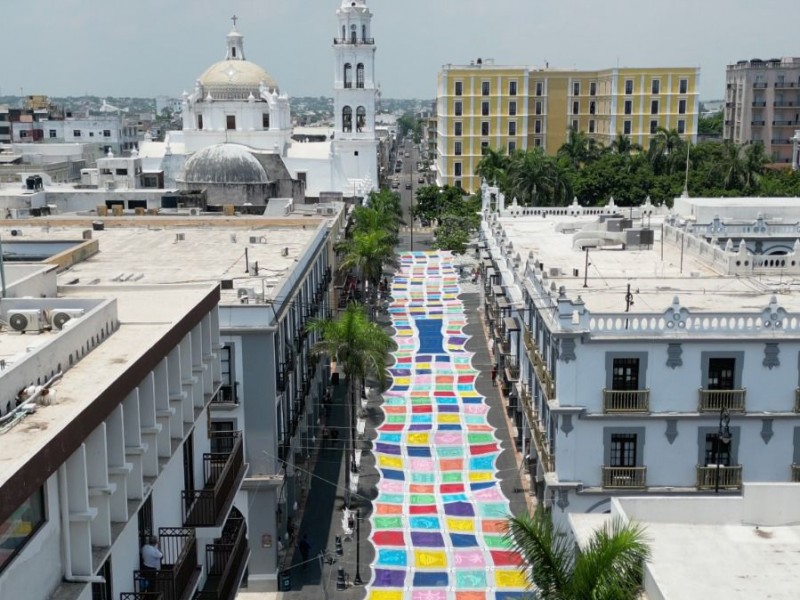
[
  {"x": 535, "y": 178},
  {"x": 367, "y": 252},
  {"x": 361, "y": 348},
  {"x": 710, "y": 125},
  {"x": 667, "y": 152},
  {"x": 452, "y": 233},
  {"x": 493, "y": 167},
  {"x": 609, "y": 568}
]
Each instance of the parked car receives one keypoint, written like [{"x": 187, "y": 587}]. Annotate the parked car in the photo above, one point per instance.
[
  {"x": 421, "y": 180},
  {"x": 408, "y": 185}
]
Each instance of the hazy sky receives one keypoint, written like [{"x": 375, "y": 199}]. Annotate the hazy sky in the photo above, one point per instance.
[{"x": 155, "y": 47}]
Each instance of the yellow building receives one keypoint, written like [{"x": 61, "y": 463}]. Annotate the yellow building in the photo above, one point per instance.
[{"x": 486, "y": 105}]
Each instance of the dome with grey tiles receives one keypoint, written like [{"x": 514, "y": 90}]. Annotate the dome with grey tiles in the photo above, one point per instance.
[{"x": 224, "y": 164}]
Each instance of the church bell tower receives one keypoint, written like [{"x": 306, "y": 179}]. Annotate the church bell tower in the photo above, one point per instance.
[{"x": 355, "y": 92}]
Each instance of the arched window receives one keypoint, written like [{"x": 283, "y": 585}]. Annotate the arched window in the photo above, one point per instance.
[
  {"x": 348, "y": 75},
  {"x": 353, "y": 34},
  {"x": 364, "y": 33},
  {"x": 347, "y": 119},
  {"x": 360, "y": 75},
  {"x": 361, "y": 118}
]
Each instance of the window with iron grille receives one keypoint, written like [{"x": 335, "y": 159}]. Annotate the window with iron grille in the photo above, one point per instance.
[
  {"x": 485, "y": 88},
  {"x": 625, "y": 374},
  {"x": 623, "y": 450}
]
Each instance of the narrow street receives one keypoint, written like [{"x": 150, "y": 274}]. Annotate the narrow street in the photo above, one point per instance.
[{"x": 446, "y": 476}]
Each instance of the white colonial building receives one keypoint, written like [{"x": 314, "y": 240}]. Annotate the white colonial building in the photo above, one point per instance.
[
  {"x": 648, "y": 352},
  {"x": 235, "y": 101}
]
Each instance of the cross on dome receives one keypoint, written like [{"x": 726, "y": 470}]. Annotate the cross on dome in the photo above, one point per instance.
[{"x": 234, "y": 18}]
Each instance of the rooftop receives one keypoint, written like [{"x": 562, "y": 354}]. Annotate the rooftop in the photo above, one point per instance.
[
  {"x": 251, "y": 252},
  {"x": 139, "y": 328},
  {"x": 715, "y": 547},
  {"x": 656, "y": 275}
]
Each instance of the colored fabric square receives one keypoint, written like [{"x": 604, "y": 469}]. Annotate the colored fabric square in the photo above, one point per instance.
[
  {"x": 388, "y": 538},
  {"x": 459, "y": 509},
  {"x": 390, "y": 461},
  {"x": 429, "y": 509},
  {"x": 386, "y": 594},
  {"x": 388, "y": 509},
  {"x": 461, "y": 540},
  {"x": 392, "y": 558},
  {"x": 422, "y": 451},
  {"x": 382, "y": 448},
  {"x": 430, "y": 559},
  {"x": 474, "y": 579},
  {"x": 427, "y": 539},
  {"x": 430, "y": 579},
  {"x": 424, "y": 523},
  {"x": 392, "y": 474},
  {"x": 504, "y": 558},
  {"x": 388, "y": 522},
  {"x": 421, "y": 489},
  {"x": 390, "y": 578},
  {"x": 510, "y": 579}
]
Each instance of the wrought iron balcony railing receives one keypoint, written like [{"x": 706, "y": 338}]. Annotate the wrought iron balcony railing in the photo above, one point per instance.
[
  {"x": 222, "y": 471},
  {"x": 624, "y": 477},
  {"x": 227, "y": 394},
  {"x": 626, "y": 401},
  {"x": 716, "y": 400},
  {"x": 178, "y": 566},
  {"x": 226, "y": 559}
]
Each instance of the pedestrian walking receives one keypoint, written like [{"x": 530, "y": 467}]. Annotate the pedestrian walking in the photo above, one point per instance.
[{"x": 494, "y": 375}]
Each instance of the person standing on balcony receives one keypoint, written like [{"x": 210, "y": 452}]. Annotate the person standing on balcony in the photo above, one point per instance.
[{"x": 151, "y": 561}]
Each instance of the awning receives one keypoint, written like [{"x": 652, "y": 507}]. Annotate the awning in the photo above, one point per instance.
[
  {"x": 502, "y": 303},
  {"x": 498, "y": 290},
  {"x": 511, "y": 324}
]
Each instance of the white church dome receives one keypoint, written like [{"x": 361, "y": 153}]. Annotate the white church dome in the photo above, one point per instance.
[
  {"x": 225, "y": 164},
  {"x": 242, "y": 75}
]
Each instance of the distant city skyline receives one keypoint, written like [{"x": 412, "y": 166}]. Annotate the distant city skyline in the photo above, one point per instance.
[{"x": 150, "y": 48}]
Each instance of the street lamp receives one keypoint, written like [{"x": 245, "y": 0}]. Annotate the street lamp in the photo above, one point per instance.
[
  {"x": 357, "y": 578},
  {"x": 723, "y": 437}
]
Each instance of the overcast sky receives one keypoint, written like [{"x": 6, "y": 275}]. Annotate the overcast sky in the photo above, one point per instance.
[{"x": 159, "y": 47}]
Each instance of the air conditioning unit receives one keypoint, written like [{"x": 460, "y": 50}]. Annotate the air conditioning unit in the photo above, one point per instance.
[
  {"x": 28, "y": 320},
  {"x": 246, "y": 295},
  {"x": 330, "y": 210},
  {"x": 258, "y": 239},
  {"x": 194, "y": 212},
  {"x": 60, "y": 316},
  {"x": 555, "y": 271}
]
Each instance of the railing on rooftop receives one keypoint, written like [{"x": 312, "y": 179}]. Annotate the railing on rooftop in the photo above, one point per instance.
[{"x": 357, "y": 41}]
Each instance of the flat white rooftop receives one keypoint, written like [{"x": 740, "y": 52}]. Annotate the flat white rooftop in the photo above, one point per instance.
[
  {"x": 715, "y": 547},
  {"x": 140, "y": 326},
  {"x": 158, "y": 252},
  {"x": 656, "y": 275}
]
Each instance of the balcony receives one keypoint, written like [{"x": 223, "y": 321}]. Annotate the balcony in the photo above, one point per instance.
[
  {"x": 179, "y": 571},
  {"x": 227, "y": 394},
  {"x": 512, "y": 369},
  {"x": 759, "y": 103},
  {"x": 785, "y": 84},
  {"x": 785, "y": 123},
  {"x": 796, "y": 473},
  {"x": 355, "y": 41},
  {"x": 141, "y": 596},
  {"x": 716, "y": 400},
  {"x": 757, "y": 123},
  {"x": 624, "y": 477},
  {"x": 542, "y": 448},
  {"x": 626, "y": 401},
  {"x": 782, "y": 104},
  {"x": 223, "y": 473},
  {"x": 730, "y": 478},
  {"x": 760, "y": 85},
  {"x": 226, "y": 560}
]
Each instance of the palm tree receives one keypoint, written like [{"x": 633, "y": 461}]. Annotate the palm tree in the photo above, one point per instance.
[
  {"x": 622, "y": 145},
  {"x": 361, "y": 348},
  {"x": 608, "y": 568},
  {"x": 667, "y": 152},
  {"x": 534, "y": 178},
  {"x": 493, "y": 166},
  {"x": 367, "y": 252}
]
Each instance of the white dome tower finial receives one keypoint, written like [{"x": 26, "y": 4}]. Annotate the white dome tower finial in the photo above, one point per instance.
[{"x": 235, "y": 43}]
